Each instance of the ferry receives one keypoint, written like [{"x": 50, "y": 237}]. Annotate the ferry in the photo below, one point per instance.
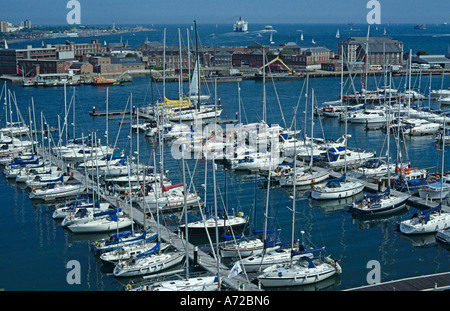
[{"x": 240, "y": 26}]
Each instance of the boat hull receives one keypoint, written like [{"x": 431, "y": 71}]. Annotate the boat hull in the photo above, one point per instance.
[{"x": 336, "y": 193}]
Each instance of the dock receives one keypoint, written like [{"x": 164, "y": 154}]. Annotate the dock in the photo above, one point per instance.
[
  {"x": 96, "y": 113},
  {"x": 433, "y": 282},
  {"x": 205, "y": 261}
]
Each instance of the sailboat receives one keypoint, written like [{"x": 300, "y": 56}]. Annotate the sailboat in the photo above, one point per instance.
[
  {"x": 313, "y": 41},
  {"x": 339, "y": 187},
  {"x": 302, "y": 271},
  {"x": 337, "y": 34},
  {"x": 158, "y": 258},
  {"x": 381, "y": 202},
  {"x": 428, "y": 221},
  {"x": 441, "y": 188},
  {"x": 305, "y": 176}
]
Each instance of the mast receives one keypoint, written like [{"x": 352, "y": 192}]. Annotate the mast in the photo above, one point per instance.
[
  {"x": 264, "y": 86},
  {"x": 198, "y": 66}
]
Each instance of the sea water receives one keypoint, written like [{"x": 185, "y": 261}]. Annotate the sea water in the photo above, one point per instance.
[{"x": 35, "y": 249}]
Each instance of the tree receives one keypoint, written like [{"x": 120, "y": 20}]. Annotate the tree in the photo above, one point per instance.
[{"x": 422, "y": 52}]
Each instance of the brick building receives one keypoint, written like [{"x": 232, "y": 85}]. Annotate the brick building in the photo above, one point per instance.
[{"x": 380, "y": 50}]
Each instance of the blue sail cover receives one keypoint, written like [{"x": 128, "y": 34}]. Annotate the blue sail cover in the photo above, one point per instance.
[
  {"x": 151, "y": 251},
  {"x": 108, "y": 212},
  {"x": 379, "y": 194},
  {"x": 307, "y": 251}
]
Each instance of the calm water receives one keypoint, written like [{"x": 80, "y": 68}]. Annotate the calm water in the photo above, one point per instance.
[{"x": 34, "y": 249}]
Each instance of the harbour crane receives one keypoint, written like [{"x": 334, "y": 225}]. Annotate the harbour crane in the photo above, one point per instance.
[{"x": 291, "y": 72}]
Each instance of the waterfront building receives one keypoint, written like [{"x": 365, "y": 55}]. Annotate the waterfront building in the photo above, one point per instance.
[{"x": 379, "y": 50}]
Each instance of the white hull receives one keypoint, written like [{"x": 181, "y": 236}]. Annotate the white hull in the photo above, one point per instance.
[
  {"x": 281, "y": 276},
  {"x": 245, "y": 249},
  {"x": 100, "y": 225},
  {"x": 57, "y": 192},
  {"x": 419, "y": 226},
  {"x": 262, "y": 261},
  {"x": 148, "y": 265},
  {"x": 347, "y": 189}
]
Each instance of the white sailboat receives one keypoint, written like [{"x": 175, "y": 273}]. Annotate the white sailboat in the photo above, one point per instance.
[
  {"x": 302, "y": 271},
  {"x": 428, "y": 221},
  {"x": 102, "y": 222},
  {"x": 337, "y": 34},
  {"x": 340, "y": 187}
]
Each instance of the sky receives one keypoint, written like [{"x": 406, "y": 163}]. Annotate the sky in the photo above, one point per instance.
[{"x": 147, "y": 12}]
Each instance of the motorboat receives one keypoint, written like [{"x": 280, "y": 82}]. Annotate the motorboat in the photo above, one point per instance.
[
  {"x": 368, "y": 116},
  {"x": 411, "y": 179},
  {"x": 436, "y": 190}
]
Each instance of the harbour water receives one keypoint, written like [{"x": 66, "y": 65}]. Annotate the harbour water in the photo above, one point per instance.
[{"x": 34, "y": 248}]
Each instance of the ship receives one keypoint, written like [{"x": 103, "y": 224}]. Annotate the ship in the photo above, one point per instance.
[
  {"x": 420, "y": 26},
  {"x": 240, "y": 26}
]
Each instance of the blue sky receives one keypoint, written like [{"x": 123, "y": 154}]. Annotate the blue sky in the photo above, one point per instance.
[{"x": 49, "y": 12}]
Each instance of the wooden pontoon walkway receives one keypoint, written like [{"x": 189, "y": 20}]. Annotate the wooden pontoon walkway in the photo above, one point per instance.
[
  {"x": 205, "y": 261},
  {"x": 433, "y": 282}
]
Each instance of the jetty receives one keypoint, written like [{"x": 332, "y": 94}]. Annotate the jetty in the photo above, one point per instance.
[
  {"x": 433, "y": 282},
  {"x": 204, "y": 260}
]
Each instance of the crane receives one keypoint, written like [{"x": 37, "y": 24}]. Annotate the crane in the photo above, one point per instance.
[{"x": 291, "y": 72}]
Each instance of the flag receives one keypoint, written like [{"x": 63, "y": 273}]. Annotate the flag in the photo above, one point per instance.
[{"x": 235, "y": 270}]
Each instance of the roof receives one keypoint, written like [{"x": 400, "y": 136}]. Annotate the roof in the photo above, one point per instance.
[
  {"x": 436, "y": 59},
  {"x": 126, "y": 60},
  {"x": 377, "y": 44}
]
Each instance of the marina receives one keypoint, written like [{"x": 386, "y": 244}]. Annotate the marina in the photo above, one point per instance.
[{"x": 243, "y": 105}]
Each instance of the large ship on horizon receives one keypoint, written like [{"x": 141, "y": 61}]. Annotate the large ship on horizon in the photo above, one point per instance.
[{"x": 240, "y": 26}]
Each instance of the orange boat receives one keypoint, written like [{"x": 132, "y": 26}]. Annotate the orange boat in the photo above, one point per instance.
[{"x": 103, "y": 81}]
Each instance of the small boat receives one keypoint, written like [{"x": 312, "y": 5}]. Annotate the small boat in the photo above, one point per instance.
[
  {"x": 411, "y": 179},
  {"x": 103, "y": 81},
  {"x": 379, "y": 204},
  {"x": 428, "y": 221},
  {"x": 368, "y": 116}
]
